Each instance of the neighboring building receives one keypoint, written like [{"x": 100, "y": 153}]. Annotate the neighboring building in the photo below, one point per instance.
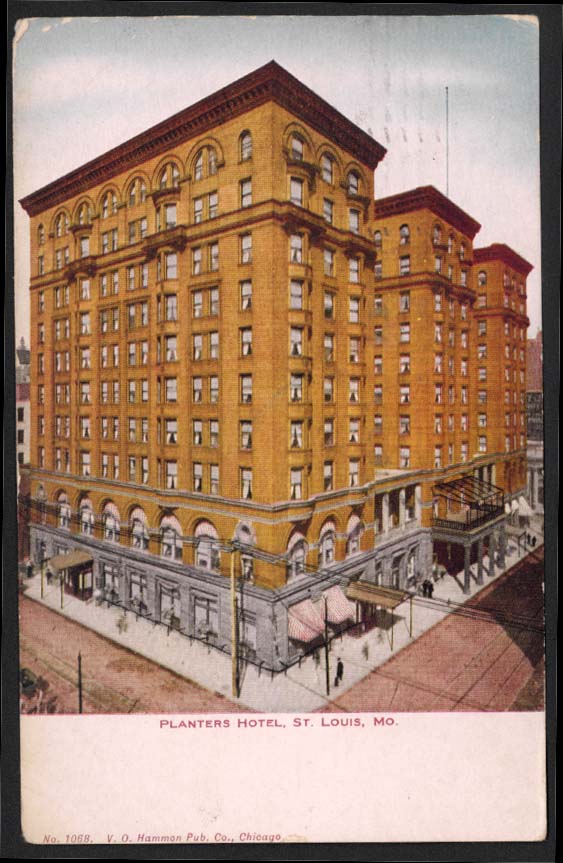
[
  {"x": 22, "y": 405},
  {"x": 214, "y": 368},
  {"x": 535, "y": 427}
]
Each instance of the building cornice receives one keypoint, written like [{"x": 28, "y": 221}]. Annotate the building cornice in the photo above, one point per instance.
[
  {"x": 502, "y": 252},
  {"x": 427, "y": 198},
  {"x": 268, "y": 83}
]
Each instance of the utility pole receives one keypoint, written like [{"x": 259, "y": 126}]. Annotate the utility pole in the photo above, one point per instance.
[
  {"x": 234, "y": 630},
  {"x": 79, "y": 683},
  {"x": 326, "y": 650}
]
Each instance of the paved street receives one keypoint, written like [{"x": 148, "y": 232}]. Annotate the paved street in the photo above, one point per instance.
[
  {"x": 115, "y": 680},
  {"x": 464, "y": 663}
]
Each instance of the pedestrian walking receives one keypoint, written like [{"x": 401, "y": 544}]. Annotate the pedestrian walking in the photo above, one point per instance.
[
  {"x": 430, "y": 589},
  {"x": 339, "y": 670}
]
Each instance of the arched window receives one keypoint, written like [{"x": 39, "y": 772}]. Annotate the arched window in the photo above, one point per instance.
[
  {"x": 205, "y": 164},
  {"x": 245, "y": 146},
  {"x": 137, "y": 192},
  {"x": 139, "y": 529},
  {"x": 87, "y": 518},
  {"x": 327, "y": 541},
  {"x": 377, "y": 239},
  {"x": 61, "y": 225},
  {"x": 112, "y": 522},
  {"x": 327, "y": 168},
  {"x": 450, "y": 243},
  {"x": 482, "y": 279},
  {"x": 84, "y": 215},
  {"x": 353, "y": 183},
  {"x": 404, "y": 235},
  {"x": 207, "y": 549},
  {"x": 63, "y": 508},
  {"x": 296, "y": 555},
  {"x": 297, "y": 148},
  {"x": 353, "y": 535},
  {"x": 109, "y": 204},
  {"x": 170, "y": 538},
  {"x": 169, "y": 176}
]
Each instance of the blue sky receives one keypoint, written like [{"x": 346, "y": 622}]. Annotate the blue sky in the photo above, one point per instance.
[{"x": 83, "y": 85}]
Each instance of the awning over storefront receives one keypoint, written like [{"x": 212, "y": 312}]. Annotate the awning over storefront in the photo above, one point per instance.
[
  {"x": 338, "y": 608},
  {"x": 525, "y": 509},
  {"x": 364, "y": 591},
  {"x": 69, "y": 561},
  {"x": 507, "y": 508},
  {"x": 304, "y": 622}
]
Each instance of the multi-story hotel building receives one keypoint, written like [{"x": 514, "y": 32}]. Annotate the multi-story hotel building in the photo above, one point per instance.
[{"x": 233, "y": 349}]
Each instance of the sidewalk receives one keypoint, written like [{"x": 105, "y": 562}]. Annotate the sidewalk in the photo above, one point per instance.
[{"x": 300, "y": 689}]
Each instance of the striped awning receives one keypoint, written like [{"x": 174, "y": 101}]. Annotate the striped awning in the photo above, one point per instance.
[
  {"x": 170, "y": 521},
  {"x": 138, "y": 514},
  {"x": 111, "y": 509},
  {"x": 329, "y": 525},
  {"x": 304, "y": 623},
  {"x": 205, "y": 528},
  {"x": 338, "y": 608}
]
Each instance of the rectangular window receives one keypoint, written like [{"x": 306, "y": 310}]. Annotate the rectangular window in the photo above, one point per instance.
[
  {"x": 246, "y": 249},
  {"x": 246, "y": 434},
  {"x": 354, "y": 270},
  {"x": 246, "y": 388},
  {"x": 354, "y": 310},
  {"x": 245, "y": 295},
  {"x": 296, "y": 483},
  {"x": 404, "y": 265},
  {"x": 354, "y": 221},
  {"x": 246, "y": 483},
  {"x": 296, "y": 342},
  {"x": 296, "y": 191},
  {"x": 296, "y": 434},
  {"x": 296, "y": 295},
  {"x": 214, "y": 257},
  {"x": 296, "y": 388},
  {"x": 353, "y": 472},
  {"x": 246, "y": 342},
  {"x": 171, "y": 389},
  {"x": 404, "y": 333},
  {"x": 329, "y": 432},
  {"x": 246, "y": 193}
]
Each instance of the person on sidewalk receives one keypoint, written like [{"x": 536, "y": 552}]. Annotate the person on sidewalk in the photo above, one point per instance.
[
  {"x": 339, "y": 672},
  {"x": 430, "y": 589}
]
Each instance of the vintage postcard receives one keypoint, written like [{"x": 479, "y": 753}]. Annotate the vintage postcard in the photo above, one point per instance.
[{"x": 279, "y": 429}]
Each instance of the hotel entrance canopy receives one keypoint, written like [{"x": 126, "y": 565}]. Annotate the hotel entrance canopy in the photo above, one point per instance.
[
  {"x": 387, "y": 597},
  {"x": 69, "y": 561}
]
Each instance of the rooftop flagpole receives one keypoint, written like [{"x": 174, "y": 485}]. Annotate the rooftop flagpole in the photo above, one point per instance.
[{"x": 447, "y": 146}]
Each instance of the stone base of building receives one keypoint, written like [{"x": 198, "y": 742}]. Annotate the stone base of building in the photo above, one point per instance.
[{"x": 199, "y": 602}]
